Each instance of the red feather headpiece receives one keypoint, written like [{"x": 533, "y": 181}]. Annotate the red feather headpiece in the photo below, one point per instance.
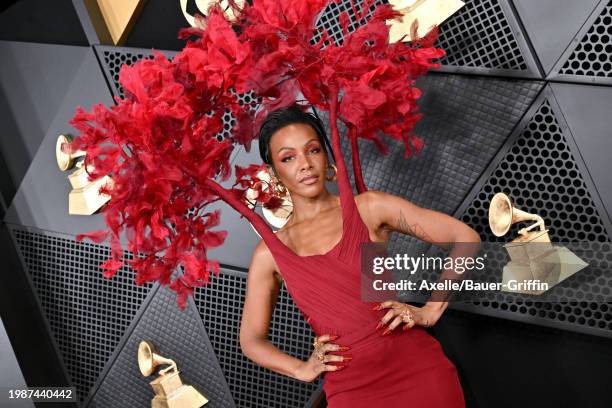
[{"x": 159, "y": 143}]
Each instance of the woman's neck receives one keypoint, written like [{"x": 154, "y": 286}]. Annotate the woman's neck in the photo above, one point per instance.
[{"x": 306, "y": 208}]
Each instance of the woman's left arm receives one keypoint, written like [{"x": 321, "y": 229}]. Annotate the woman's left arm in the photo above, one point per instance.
[{"x": 392, "y": 213}]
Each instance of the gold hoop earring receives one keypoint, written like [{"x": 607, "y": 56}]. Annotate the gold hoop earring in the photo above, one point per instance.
[
  {"x": 334, "y": 176},
  {"x": 279, "y": 188}
]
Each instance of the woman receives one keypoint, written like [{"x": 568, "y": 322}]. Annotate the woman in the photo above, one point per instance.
[{"x": 318, "y": 256}]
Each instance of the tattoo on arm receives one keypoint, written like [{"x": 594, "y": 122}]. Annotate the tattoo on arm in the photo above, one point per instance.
[{"x": 415, "y": 229}]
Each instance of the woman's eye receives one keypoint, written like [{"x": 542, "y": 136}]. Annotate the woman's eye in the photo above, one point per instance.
[
  {"x": 315, "y": 150},
  {"x": 284, "y": 159}
]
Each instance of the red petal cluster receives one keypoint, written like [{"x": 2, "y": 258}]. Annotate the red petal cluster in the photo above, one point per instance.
[{"x": 159, "y": 144}]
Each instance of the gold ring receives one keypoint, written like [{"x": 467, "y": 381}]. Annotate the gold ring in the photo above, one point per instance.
[
  {"x": 406, "y": 316},
  {"x": 320, "y": 356}
]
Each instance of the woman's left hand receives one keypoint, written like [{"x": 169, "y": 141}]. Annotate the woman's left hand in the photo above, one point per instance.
[{"x": 408, "y": 315}]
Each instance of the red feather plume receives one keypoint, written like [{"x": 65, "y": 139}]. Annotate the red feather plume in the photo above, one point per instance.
[{"x": 159, "y": 143}]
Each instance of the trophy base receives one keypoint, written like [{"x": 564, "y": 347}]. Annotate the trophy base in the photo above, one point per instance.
[
  {"x": 549, "y": 270},
  {"x": 184, "y": 397},
  {"x": 87, "y": 200},
  {"x": 170, "y": 392}
]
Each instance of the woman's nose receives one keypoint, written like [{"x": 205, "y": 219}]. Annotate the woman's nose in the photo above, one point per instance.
[{"x": 305, "y": 162}]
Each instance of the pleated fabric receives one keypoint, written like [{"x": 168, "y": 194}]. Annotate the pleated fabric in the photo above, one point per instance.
[{"x": 402, "y": 369}]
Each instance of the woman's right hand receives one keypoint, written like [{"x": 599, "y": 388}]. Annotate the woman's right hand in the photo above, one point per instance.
[{"x": 310, "y": 369}]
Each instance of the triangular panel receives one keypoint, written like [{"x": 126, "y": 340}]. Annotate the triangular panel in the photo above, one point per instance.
[
  {"x": 119, "y": 17},
  {"x": 541, "y": 20},
  {"x": 541, "y": 172},
  {"x": 482, "y": 35},
  {"x": 587, "y": 111},
  {"x": 179, "y": 335},
  {"x": 88, "y": 314},
  {"x": 465, "y": 121},
  {"x": 592, "y": 57}
]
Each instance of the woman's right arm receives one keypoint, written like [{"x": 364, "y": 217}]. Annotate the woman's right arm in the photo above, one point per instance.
[{"x": 262, "y": 292}]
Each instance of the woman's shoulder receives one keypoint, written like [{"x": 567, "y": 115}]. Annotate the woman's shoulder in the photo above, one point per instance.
[
  {"x": 363, "y": 202},
  {"x": 370, "y": 205},
  {"x": 371, "y": 196},
  {"x": 262, "y": 250},
  {"x": 367, "y": 200},
  {"x": 264, "y": 260}
]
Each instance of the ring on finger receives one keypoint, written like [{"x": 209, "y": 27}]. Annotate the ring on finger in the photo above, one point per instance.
[
  {"x": 320, "y": 356},
  {"x": 406, "y": 316}
]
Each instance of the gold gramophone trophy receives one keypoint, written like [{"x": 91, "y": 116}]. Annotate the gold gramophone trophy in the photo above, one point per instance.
[
  {"x": 170, "y": 392},
  {"x": 536, "y": 265},
  {"x": 84, "y": 199},
  {"x": 427, "y": 12}
]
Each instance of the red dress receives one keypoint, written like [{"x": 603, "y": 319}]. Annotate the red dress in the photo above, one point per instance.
[{"x": 402, "y": 369}]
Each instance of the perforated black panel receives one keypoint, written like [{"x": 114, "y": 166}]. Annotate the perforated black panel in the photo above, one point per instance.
[
  {"x": 541, "y": 175},
  {"x": 465, "y": 122},
  {"x": 178, "y": 335},
  {"x": 87, "y": 313},
  {"x": 113, "y": 58},
  {"x": 329, "y": 19},
  {"x": 220, "y": 306},
  {"x": 593, "y": 55},
  {"x": 479, "y": 35}
]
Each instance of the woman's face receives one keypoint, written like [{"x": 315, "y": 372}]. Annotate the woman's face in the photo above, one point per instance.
[{"x": 299, "y": 159}]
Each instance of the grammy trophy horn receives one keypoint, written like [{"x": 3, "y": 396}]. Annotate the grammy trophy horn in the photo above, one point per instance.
[
  {"x": 503, "y": 214},
  {"x": 169, "y": 389},
  {"x": 66, "y": 161},
  {"x": 148, "y": 359}
]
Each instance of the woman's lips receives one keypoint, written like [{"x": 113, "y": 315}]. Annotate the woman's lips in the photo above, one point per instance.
[{"x": 310, "y": 180}]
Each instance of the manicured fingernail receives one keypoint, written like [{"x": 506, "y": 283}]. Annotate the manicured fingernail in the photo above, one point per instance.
[
  {"x": 376, "y": 307},
  {"x": 386, "y": 332},
  {"x": 334, "y": 337},
  {"x": 308, "y": 320},
  {"x": 348, "y": 358},
  {"x": 406, "y": 327},
  {"x": 340, "y": 367},
  {"x": 344, "y": 348},
  {"x": 380, "y": 324}
]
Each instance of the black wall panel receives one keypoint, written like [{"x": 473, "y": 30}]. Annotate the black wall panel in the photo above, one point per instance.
[
  {"x": 589, "y": 59},
  {"x": 10, "y": 373},
  {"x": 178, "y": 335},
  {"x": 485, "y": 109},
  {"x": 541, "y": 20},
  {"x": 87, "y": 313},
  {"x": 485, "y": 37},
  {"x": 590, "y": 129},
  {"x": 34, "y": 79},
  {"x": 542, "y": 171},
  {"x": 220, "y": 305},
  {"x": 41, "y": 200},
  {"x": 42, "y": 21}
]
